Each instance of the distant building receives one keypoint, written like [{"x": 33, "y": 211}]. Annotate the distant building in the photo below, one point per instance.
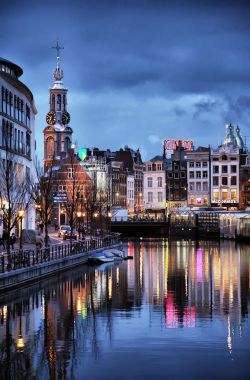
[
  {"x": 154, "y": 187},
  {"x": 245, "y": 181},
  {"x": 130, "y": 193},
  {"x": 198, "y": 177},
  {"x": 176, "y": 179},
  {"x": 225, "y": 170},
  {"x": 17, "y": 127}
]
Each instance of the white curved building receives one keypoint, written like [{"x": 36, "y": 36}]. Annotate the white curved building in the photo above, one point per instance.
[{"x": 17, "y": 119}]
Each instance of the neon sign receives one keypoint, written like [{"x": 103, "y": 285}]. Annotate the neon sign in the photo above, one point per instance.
[{"x": 172, "y": 144}]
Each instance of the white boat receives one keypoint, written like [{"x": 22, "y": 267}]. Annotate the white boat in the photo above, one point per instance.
[{"x": 106, "y": 256}]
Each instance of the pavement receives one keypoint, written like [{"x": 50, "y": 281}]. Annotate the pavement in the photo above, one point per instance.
[{"x": 54, "y": 239}]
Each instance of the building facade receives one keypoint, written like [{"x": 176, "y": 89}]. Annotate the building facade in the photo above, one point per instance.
[
  {"x": 154, "y": 187},
  {"x": 225, "y": 170},
  {"x": 198, "y": 177},
  {"x": 17, "y": 135},
  {"x": 176, "y": 180}
]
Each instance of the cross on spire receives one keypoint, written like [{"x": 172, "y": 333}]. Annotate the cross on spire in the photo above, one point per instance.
[{"x": 58, "y": 48}]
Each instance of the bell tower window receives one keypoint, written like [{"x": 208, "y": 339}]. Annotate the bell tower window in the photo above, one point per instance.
[
  {"x": 59, "y": 101},
  {"x": 53, "y": 102}
]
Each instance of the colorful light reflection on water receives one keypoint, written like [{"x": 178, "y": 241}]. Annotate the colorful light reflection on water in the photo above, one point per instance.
[{"x": 175, "y": 311}]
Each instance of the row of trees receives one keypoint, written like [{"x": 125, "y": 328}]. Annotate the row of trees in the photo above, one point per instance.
[{"x": 18, "y": 192}]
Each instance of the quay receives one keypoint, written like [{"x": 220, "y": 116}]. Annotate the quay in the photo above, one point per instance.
[
  {"x": 25, "y": 266},
  {"x": 205, "y": 225}
]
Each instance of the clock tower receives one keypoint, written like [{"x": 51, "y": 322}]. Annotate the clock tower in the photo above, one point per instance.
[{"x": 57, "y": 133}]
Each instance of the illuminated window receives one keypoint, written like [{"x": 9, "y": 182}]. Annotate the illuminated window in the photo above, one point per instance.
[
  {"x": 205, "y": 201},
  {"x": 204, "y": 174},
  {"x": 215, "y": 195},
  {"x": 234, "y": 195},
  {"x": 224, "y": 195}
]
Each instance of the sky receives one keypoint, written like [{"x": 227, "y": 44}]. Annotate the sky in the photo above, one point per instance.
[{"x": 137, "y": 71}]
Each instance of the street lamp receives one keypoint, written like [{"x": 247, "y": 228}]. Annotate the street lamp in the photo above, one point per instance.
[{"x": 21, "y": 214}]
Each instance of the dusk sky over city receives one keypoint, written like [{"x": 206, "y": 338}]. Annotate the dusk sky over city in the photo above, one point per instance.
[{"x": 137, "y": 71}]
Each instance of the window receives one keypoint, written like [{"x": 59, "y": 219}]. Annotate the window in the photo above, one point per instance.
[
  {"x": 224, "y": 181},
  {"x": 215, "y": 195},
  {"x": 62, "y": 188},
  {"x": 70, "y": 172},
  {"x": 233, "y": 181},
  {"x": 191, "y": 186},
  {"x": 224, "y": 169},
  {"x": 198, "y": 174},
  {"x": 198, "y": 186},
  {"x": 150, "y": 182},
  {"x": 183, "y": 175},
  {"x": 215, "y": 169},
  {"x": 150, "y": 197},
  {"x": 204, "y": 164},
  {"x": 191, "y": 164},
  {"x": 159, "y": 181},
  {"x": 159, "y": 166},
  {"x": 234, "y": 195},
  {"x": 205, "y": 201},
  {"x": 192, "y": 201},
  {"x": 215, "y": 181},
  {"x": 149, "y": 167},
  {"x": 176, "y": 175},
  {"x": 170, "y": 175},
  {"x": 191, "y": 174},
  {"x": 224, "y": 196},
  {"x": 233, "y": 168},
  {"x": 160, "y": 197},
  {"x": 198, "y": 164},
  {"x": 204, "y": 174},
  {"x": 205, "y": 186}
]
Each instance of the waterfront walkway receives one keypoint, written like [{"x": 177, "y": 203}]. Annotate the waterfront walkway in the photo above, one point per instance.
[{"x": 26, "y": 265}]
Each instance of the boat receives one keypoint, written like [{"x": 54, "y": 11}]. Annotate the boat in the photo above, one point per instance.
[{"x": 106, "y": 256}]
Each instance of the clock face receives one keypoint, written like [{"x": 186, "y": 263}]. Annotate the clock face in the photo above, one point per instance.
[
  {"x": 51, "y": 117},
  {"x": 65, "y": 118}
]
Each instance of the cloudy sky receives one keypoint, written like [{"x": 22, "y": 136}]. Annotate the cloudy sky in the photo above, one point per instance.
[{"x": 137, "y": 71}]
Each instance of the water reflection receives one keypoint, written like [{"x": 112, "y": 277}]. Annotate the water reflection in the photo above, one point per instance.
[{"x": 57, "y": 328}]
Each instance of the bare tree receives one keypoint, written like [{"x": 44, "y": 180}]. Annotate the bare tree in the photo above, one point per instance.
[
  {"x": 15, "y": 189},
  {"x": 77, "y": 185},
  {"x": 42, "y": 193}
]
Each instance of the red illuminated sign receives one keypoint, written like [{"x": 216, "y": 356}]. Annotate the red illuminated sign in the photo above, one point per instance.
[{"x": 172, "y": 144}]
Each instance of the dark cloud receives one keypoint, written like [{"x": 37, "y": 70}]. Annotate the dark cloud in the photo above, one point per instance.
[{"x": 125, "y": 59}]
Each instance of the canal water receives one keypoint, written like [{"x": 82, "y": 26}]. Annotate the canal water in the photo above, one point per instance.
[{"x": 176, "y": 311}]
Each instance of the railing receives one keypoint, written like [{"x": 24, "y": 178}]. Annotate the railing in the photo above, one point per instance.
[{"x": 29, "y": 258}]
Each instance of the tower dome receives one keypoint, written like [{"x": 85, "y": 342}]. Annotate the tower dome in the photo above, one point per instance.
[{"x": 239, "y": 140}]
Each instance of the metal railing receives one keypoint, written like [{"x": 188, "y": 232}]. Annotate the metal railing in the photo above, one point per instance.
[{"x": 31, "y": 257}]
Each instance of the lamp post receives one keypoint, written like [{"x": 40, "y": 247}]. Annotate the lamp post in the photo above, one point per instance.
[
  {"x": 79, "y": 214},
  {"x": 21, "y": 214}
]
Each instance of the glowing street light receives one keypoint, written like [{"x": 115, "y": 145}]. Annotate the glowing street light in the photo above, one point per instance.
[{"x": 21, "y": 215}]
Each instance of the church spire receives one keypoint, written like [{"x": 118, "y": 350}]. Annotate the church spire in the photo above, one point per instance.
[{"x": 58, "y": 73}]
